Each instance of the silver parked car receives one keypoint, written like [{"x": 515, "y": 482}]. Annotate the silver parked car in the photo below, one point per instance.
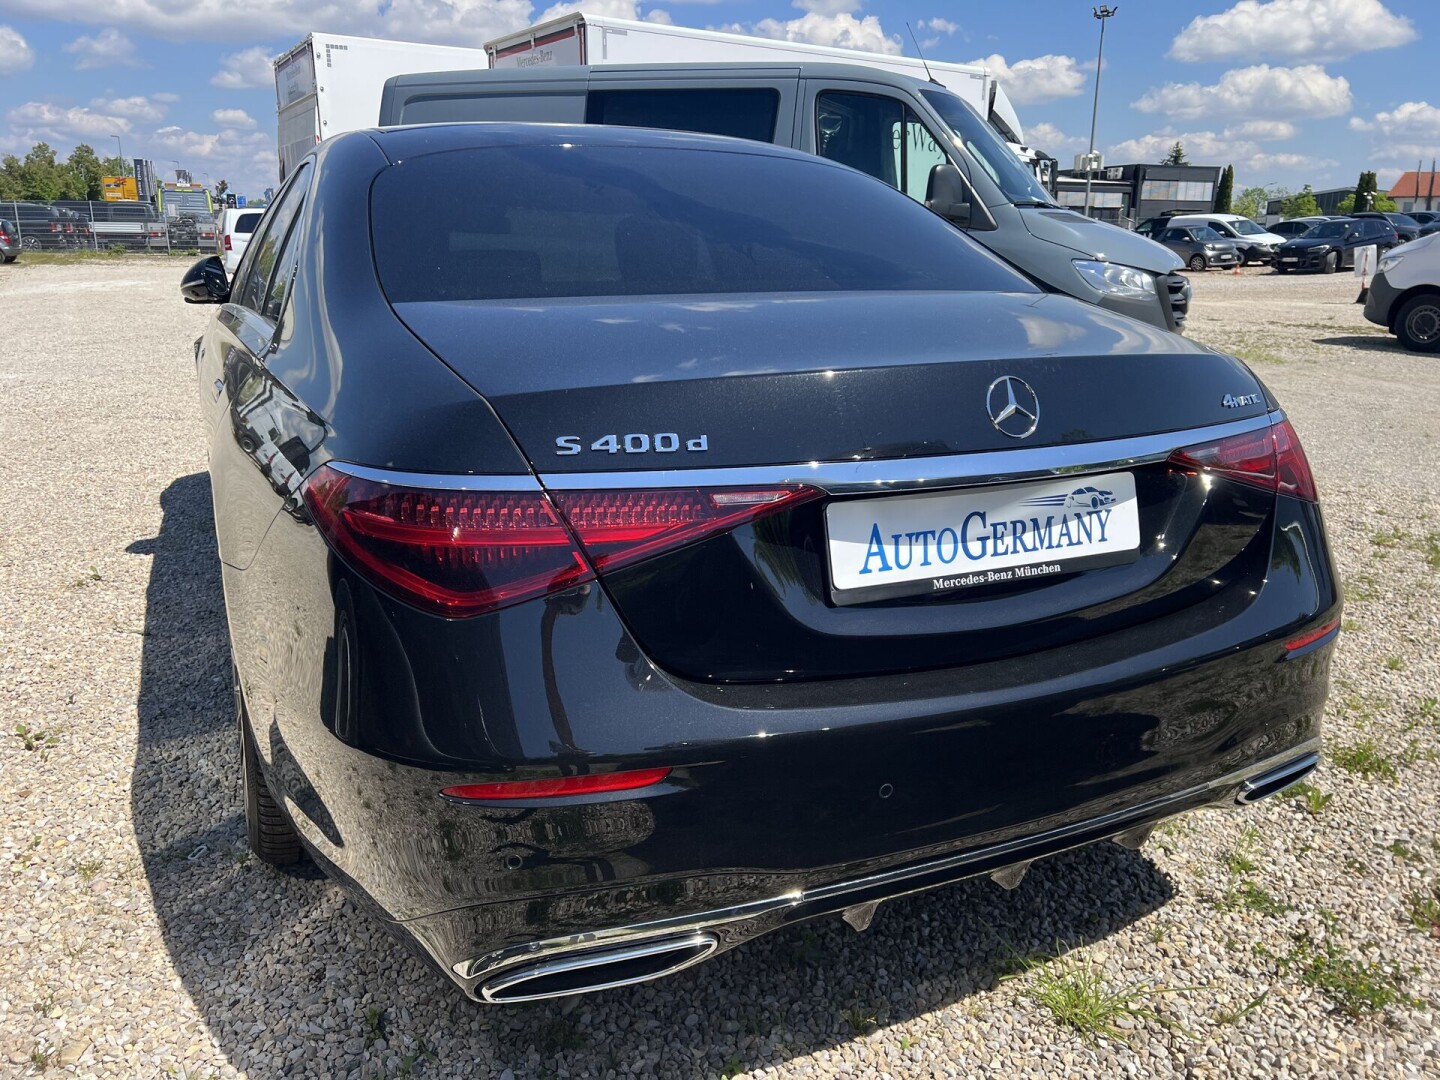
[{"x": 1200, "y": 246}]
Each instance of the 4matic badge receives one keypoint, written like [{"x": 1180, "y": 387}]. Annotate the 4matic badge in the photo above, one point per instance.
[{"x": 1239, "y": 401}]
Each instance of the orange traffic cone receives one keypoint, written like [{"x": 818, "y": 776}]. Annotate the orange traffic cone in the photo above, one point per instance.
[{"x": 1236, "y": 271}]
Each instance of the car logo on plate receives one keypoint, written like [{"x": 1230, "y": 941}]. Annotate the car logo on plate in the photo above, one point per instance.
[{"x": 1014, "y": 406}]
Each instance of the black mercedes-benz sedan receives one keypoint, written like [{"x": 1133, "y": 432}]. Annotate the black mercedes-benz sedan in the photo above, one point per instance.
[{"x": 634, "y": 542}]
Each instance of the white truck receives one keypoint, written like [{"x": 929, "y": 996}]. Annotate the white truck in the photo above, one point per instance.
[
  {"x": 593, "y": 39},
  {"x": 329, "y": 83}
]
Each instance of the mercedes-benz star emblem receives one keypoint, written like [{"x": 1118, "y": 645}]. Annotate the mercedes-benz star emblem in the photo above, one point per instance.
[{"x": 1014, "y": 406}]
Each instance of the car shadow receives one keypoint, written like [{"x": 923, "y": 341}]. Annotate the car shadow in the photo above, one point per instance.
[
  {"x": 290, "y": 976},
  {"x": 1381, "y": 342}
]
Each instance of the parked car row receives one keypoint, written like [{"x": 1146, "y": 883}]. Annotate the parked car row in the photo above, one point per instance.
[
  {"x": 134, "y": 226},
  {"x": 1331, "y": 245}
]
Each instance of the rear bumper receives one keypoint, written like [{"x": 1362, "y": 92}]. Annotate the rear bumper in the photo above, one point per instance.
[{"x": 557, "y": 965}]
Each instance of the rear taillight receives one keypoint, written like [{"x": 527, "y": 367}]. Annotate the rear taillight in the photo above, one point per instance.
[
  {"x": 1270, "y": 458},
  {"x": 559, "y": 786},
  {"x": 227, "y": 243},
  {"x": 462, "y": 553},
  {"x": 5, "y": 237}
]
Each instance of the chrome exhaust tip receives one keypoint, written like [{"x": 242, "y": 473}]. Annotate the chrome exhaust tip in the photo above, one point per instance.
[
  {"x": 1276, "y": 780},
  {"x": 596, "y": 969}
]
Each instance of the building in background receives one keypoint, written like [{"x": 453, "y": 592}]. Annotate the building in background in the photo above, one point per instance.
[
  {"x": 1129, "y": 194},
  {"x": 1417, "y": 191},
  {"x": 1328, "y": 201}
]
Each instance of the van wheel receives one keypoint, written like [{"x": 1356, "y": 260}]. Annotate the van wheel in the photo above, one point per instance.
[
  {"x": 1418, "y": 324},
  {"x": 268, "y": 831},
  {"x": 1332, "y": 263},
  {"x": 1197, "y": 262}
]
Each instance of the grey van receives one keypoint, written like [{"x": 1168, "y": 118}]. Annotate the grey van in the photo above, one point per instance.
[{"x": 916, "y": 136}]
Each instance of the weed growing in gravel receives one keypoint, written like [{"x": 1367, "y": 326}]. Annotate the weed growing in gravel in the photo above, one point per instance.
[
  {"x": 1424, "y": 910},
  {"x": 859, "y": 1020},
  {"x": 1239, "y": 862},
  {"x": 1395, "y": 663},
  {"x": 88, "y": 869},
  {"x": 1349, "y": 625},
  {"x": 1356, "y": 866},
  {"x": 1388, "y": 538},
  {"x": 1430, "y": 548},
  {"x": 1361, "y": 587},
  {"x": 1426, "y": 711},
  {"x": 1312, "y": 798},
  {"x": 1402, "y": 850},
  {"x": 1226, "y": 1017},
  {"x": 36, "y": 739},
  {"x": 1354, "y": 987},
  {"x": 1252, "y": 897},
  {"x": 1078, "y": 996},
  {"x": 1366, "y": 760},
  {"x": 91, "y": 577},
  {"x": 42, "y": 1056},
  {"x": 374, "y": 1025},
  {"x": 734, "y": 1067}
]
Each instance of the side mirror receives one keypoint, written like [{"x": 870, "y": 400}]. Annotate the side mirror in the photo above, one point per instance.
[
  {"x": 947, "y": 194},
  {"x": 205, "y": 282}
]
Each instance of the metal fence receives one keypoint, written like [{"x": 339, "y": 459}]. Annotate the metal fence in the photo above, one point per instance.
[{"x": 108, "y": 226}]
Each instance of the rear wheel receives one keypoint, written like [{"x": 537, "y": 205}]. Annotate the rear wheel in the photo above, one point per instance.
[
  {"x": 1418, "y": 324},
  {"x": 30, "y": 242},
  {"x": 11, "y": 258},
  {"x": 1197, "y": 262},
  {"x": 268, "y": 831},
  {"x": 1332, "y": 263}
]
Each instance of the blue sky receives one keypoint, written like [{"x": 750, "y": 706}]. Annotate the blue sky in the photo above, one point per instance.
[{"x": 1289, "y": 91}]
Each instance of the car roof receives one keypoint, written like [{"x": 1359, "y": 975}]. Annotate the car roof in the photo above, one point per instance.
[{"x": 398, "y": 143}]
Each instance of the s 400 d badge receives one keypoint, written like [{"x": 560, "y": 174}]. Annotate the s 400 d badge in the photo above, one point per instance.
[{"x": 666, "y": 442}]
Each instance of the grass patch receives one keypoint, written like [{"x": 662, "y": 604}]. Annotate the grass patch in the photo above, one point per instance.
[
  {"x": 84, "y": 255},
  {"x": 1388, "y": 538},
  {"x": 1365, "y": 759},
  {"x": 860, "y": 1021},
  {"x": 36, "y": 739},
  {"x": 1251, "y": 897},
  {"x": 1361, "y": 587},
  {"x": 1259, "y": 356},
  {"x": 1309, "y": 796},
  {"x": 1079, "y": 998},
  {"x": 1423, "y": 907},
  {"x": 1353, "y": 987},
  {"x": 1405, "y": 852},
  {"x": 88, "y": 869},
  {"x": 1226, "y": 1017},
  {"x": 1395, "y": 663}
]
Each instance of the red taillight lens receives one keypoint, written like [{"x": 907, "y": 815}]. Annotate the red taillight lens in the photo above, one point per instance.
[
  {"x": 227, "y": 243},
  {"x": 1312, "y": 636},
  {"x": 618, "y": 528},
  {"x": 593, "y": 784},
  {"x": 1270, "y": 458},
  {"x": 462, "y": 553},
  {"x": 455, "y": 553}
]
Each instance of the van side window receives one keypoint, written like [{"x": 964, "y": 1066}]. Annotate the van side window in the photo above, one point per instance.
[
  {"x": 740, "y": 112},
  {"x": 880, "y": 136}
]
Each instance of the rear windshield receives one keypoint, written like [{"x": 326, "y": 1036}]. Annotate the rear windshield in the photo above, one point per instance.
[
  {"x": 554, "y": 221},
  {"x": 246, "y": 222}
]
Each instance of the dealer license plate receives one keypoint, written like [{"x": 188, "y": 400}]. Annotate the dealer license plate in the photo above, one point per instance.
[{"x": 940, "y": 542}]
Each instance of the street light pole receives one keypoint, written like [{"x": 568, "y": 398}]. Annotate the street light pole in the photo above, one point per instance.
[
  {"x": 120, "y": 147},
  {"x": 1101, "y": 13}
]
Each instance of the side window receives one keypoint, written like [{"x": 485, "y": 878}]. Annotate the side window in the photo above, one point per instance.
[
  {"x": 880, "y": 136},
  {"x": 253, "y": 274},
  {"x": 740, "y": 112},
  {"x": 1171, "y": 236},
  {"x": 284, "y": 275}
]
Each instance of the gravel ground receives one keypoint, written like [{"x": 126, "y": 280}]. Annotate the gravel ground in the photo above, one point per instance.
[{"x": 139, "y": 940}]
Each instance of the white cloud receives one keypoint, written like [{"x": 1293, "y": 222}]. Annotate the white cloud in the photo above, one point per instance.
[
  {"x": 233, "y": 118},
  {"x": 132, "y": 108},
  {"x": 611, "y": 9},
  {"x": 1292, "y": 30},
  {"x": 1260, "y": 91},
  {"x": 250, "y": 68},
  {"x": 1042, "y": 78},
  {"x": 1264, "y": 130},
  {"x": 659, "y": 17},
  {"x": 39, "y": 119},
  {"x": 458, "y": 22},
  {"x": 1211, "y": 148},
  {"x": 108, "y": 48},
  {"x": 939, "y": 25},
  {"x": 1049, "y": 138},
  {"x": 1413, "y": 119},
  {"x": 15, "y": 52},
  {"x": 843, "y": 31}
]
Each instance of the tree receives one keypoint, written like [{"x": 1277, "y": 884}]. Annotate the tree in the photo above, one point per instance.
[
  {"x": 1224, "y": 191},
  {"x": 87, "y": 170},
  {"x": 117, "y": 166},
  {"x": 1301, "y": 204},
  {"x": 1251, "y": 202},
  {"x": 12, "y": 185},
  {"x": 220, "y": 189},
  {"x": 1176, "y": 156}
]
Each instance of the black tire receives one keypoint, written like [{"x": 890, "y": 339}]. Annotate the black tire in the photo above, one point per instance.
[
  {"x": 268, "y": 831},
  {"x": 1282, "y": 269},
  {"x": 1331, "y": 264},
  {"x": 1197, "y": 262},
  {"x": 11, "y": 258},
  {"x": 1417, "y": 324}
]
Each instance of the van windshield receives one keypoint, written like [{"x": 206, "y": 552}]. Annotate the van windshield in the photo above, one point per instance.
[
  {"x": 1246, "y": 227},
  {"x": 994, "y": 156}
]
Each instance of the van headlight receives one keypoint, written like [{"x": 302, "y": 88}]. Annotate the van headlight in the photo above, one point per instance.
[
  {"x": 1389, "y": 262},
  {"x": 1113, "y": 279}
]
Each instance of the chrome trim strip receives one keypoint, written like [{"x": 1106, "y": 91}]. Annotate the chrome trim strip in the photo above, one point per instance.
[
  {"x": 705, "y": 943},
  {"x": 1226, "y": 789},
  {"x": 941, "y": 471},
  {"x": 442, "y": 481}
]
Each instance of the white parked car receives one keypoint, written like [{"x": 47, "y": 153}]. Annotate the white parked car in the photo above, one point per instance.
[
  {"x": 1404, "y": 294},
  {"x": 1253, "y": 241},
  {"x": 236, "y": 227}
]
